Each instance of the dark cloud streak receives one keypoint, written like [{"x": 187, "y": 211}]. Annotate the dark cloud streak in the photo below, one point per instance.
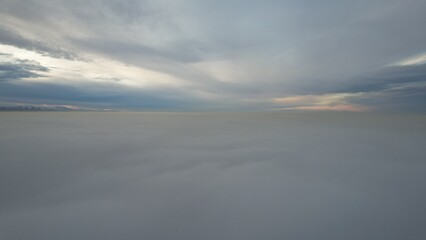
[{"x": 20, "y": 69}]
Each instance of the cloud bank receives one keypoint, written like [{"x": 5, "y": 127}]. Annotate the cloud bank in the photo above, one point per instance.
[{"x": 91, "y": 176}]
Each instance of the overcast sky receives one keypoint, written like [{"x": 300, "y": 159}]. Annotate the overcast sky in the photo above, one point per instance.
[{"x": 215, "y": 55}]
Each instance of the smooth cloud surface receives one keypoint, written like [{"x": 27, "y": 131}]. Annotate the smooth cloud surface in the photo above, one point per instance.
[{"x": 91, "y": 176}]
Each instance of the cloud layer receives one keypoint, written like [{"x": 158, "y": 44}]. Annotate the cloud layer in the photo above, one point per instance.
[{"x": 93, "y": 176}]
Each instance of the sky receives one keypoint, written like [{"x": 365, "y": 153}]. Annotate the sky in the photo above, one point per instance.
[{"x": 210, "y": 55}]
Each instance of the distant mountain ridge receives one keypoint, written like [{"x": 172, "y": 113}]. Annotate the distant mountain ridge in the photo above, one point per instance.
[{"x": 32, "y": 108}]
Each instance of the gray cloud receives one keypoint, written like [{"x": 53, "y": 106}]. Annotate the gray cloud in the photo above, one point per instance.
[
  {"x": 19, "y": 69},
  {"x": 108, "y": 95},
  {"x": 209, "y": 176},
  {"x": 397, "y": 88},
  {"x": 9, "y": 37},
  {"x": 405, "y": 98},
  {"x": 185, "y": 52},
  {"x": 388, "y": 77}
]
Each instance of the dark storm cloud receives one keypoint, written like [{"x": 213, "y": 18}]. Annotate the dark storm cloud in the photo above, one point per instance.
[
  {"x": 395, "y": 88},
  {"x": 98, "y": 96},
  {"x": 410, "y": 98},
  {"x": 211, "y": 176},
  {"x": 19, "y": 69},
  {"x": 388, "y": 77}
]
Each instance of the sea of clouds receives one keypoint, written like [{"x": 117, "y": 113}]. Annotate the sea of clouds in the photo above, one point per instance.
[{"x": 210, "y": 176}]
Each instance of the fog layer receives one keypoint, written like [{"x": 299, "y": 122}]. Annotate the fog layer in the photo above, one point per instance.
[{"x": 108, "y": 176}]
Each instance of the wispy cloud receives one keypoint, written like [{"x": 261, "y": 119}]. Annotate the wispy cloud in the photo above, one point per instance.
[
  {"x": 8, "y": 37},
  {"x": 326, "y": 102},
  {"x": 414, "y": 60}
]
